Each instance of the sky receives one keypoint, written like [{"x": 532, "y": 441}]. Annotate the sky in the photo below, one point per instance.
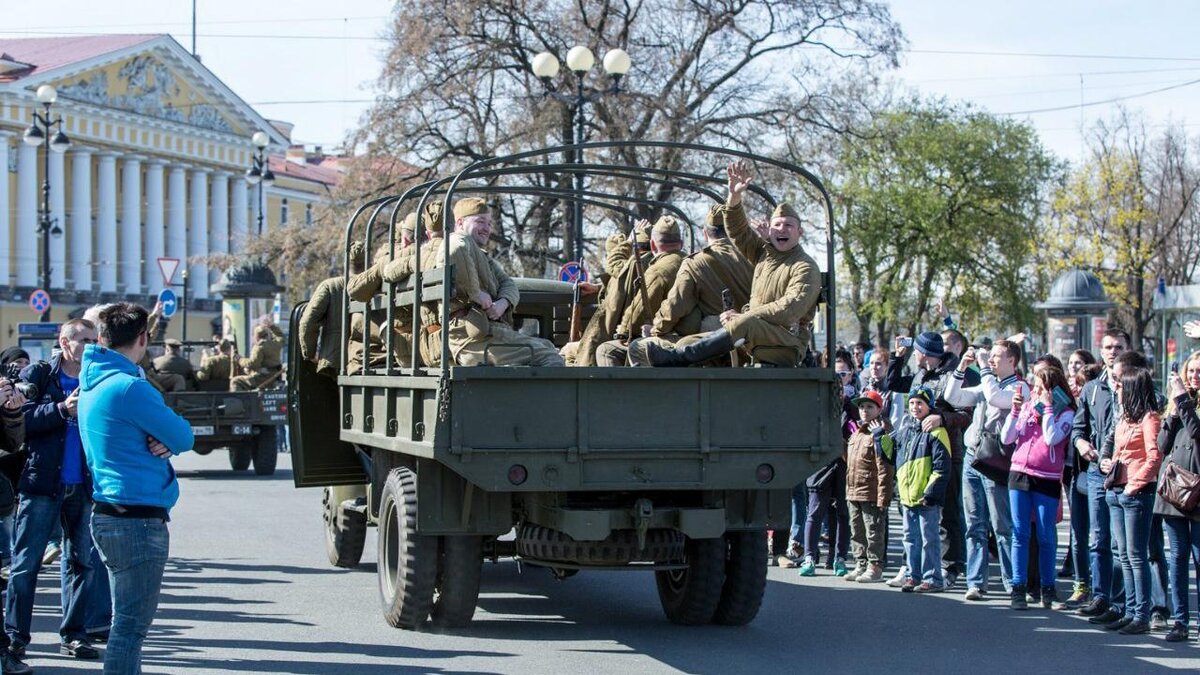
[{"x": 311, "y": 63}]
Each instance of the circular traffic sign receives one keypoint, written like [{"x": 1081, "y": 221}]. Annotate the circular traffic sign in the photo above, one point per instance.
[
  {"x": 39, "y": 301},
  {"x": 169, "y": 302},
  {"x": 572, "y": 272}
]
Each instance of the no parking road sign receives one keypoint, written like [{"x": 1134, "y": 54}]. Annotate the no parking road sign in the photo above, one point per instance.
[
  {"x": 572, "y": 273},
  {"x": 39, "y": 301},
  {"x": 169, "y": 302}
]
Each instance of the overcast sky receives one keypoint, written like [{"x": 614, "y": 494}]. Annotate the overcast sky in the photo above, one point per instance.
[{"x": 310, "y": 62}]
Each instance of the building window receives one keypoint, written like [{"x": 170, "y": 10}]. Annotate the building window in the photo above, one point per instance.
[
  {"x": 283, "y": 212},
  {"x": 308, "y": 214}
]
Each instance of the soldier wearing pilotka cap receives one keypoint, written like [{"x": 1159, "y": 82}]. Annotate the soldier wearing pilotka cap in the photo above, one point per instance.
[{"x": 775, "y": 325}]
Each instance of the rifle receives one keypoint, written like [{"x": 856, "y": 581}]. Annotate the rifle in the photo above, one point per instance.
[
  {"x": 726, "y": 305},
  {"x": 576, "y": 331},
  {"x": 641, "y": 284}
]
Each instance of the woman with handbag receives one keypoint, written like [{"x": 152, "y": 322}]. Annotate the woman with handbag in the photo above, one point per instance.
[{"x": 1179, "y": 488}]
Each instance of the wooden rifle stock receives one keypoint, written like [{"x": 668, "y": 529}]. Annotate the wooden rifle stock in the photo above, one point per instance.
[{"x": 576, "y": 331}]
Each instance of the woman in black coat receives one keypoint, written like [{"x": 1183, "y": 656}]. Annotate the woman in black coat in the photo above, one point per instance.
[{"x": 1178, "y": 441}]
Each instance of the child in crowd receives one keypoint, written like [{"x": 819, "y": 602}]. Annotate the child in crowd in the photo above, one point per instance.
[
  {"x": 868, "y": 492},
  {"x": 922, "y": 460}
]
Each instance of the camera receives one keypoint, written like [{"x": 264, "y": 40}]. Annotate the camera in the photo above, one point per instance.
[
  {"x": 1175, "y": 367},
  {"x": 28, "y": 389},
  {"x": 12, "y": 371},
  {"x": 904, "y": 341}
]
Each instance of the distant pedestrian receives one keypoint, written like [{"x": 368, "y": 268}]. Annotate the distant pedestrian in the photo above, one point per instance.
[
  {"x": 1179, "y": 441},
  {"x": 129, "y": 434}
]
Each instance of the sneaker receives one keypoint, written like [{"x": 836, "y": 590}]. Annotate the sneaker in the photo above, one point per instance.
[
  {"x": 1110, "y": 615},
  {"x": 808, "y": 568},
  {"x": 1095, "y": 607},
  {"x": 1123, "y": 622},
  {"x": 1079, "y": 597},
  {"x": 795, "y": 552},
  {"x": 1179, "y": 633},
  {"x": 951, "y": 578},
  {"x": 785, "y": 562},
  {"x": 53, "y": 551},
  {"x": 909, "y": 586},
  {"x": 873, "y": 575},
  {"x": 1049, "y": 597},
  {"x": 1135, "y": 628},
  {"x": 927, "y": 587},
  {"x": 98, "y": 637},
  {"x": 17, "y": 650},
  {"x": 839, "y": 568},
  {"x": 900, "y": 578},
  {"x": 11, "y": 664},
  {"x": 975, "y": 594},
  {"x": 80, "y": 649},
  {"x": 1158, "y": 620},
  {"x": 859, "y": 570},
  {"x": 1017, "y": 600}
]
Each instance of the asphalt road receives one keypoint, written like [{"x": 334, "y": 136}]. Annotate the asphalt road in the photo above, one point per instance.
[{"x": 249, "y": 590}]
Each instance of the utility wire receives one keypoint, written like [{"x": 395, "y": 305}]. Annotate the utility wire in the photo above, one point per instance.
[{"x": 1090, "y": 104}]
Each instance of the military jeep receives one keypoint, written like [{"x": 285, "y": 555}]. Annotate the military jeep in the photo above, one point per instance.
[{"x": 677, "y": 472}]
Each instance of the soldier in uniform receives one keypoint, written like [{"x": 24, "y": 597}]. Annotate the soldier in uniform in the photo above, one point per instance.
[
  {"x": 617, "y": 293},
  {"x": 365, "y": 286},
  {"x": 665, "y": 245},
  {"x": 775, "y": 325},
  {"x": 322, "y": 318},
  {"x": 174, "y": 372},
  {"x": 265, "y": 362},
  {"x": 217, "y": 367}
]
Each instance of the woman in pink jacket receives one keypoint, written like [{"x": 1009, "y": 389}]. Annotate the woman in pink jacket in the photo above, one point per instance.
[{"x": 1040, "y": 430}]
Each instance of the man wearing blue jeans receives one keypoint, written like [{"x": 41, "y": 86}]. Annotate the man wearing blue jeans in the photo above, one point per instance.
[
  {"x": 129, "y": 435},
  {"x": 55, "y": 491}
]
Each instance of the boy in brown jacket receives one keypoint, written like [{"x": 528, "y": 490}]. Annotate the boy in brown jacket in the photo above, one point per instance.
[{"x": 869, "y": 480}]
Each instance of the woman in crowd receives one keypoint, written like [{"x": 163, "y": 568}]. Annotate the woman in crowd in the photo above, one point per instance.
[
  {"x": 1040, "y": 429},
  {"x": 1130, "y": 460},
  {"x": 1178, "y": 443},
  {"x": 1080, "y": 359}
]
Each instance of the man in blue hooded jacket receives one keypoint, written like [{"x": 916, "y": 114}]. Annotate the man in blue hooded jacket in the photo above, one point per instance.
[{"x": 121, "y": 416}]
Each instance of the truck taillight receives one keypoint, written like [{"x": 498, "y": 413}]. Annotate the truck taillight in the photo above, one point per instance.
[
  {"x": 765, "y": 473},
  {"x": 517, "y": 474}
]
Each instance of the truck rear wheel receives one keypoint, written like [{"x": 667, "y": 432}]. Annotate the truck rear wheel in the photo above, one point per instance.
[
  {"x": 690, "y": 596},
  {"x": 266, "y": 454},
  {"x": 407, "y": 560},
  {"x": 745, "y": 578},
  {"x": 345, "y": 532},
  {"x": 459, "y": 568},
  {"x": 239, "y": 456}
]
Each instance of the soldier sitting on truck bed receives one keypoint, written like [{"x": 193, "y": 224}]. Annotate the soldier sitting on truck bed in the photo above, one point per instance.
[
  {"x": 696, "y": 301},
  {"x": 321, "y": 321},
  {"x": 264, "y": 365},
  {"x": 618, "y": 292},
  {"x": 774, "y": 326},
  {"x": 173, "y": 371},
  {"x": 364, "y": 286},
  {"x": 215, "y": 368},
  {"x": 665, "y": 244}
]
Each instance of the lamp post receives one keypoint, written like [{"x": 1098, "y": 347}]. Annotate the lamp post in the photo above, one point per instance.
[
  {"x": 260, "y": 173},
  {"x": 579, "y": 60},
  {"x": 37, "y": 134}
]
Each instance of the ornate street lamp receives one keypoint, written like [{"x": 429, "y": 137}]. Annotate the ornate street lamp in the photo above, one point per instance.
[
  {"x": 260, "y": 173},
  {"x": 38, "y": 133},
  {"x": 579, "y": 60}
]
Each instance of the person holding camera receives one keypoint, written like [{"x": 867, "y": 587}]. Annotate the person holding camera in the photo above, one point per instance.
[
  {"x": 55, "y": 487},
  {"x": 1178, "y": 441}
]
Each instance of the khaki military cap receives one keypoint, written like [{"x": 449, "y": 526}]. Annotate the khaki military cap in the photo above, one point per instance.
[
  {"x": 433, "y": 216},
  {"x": 785, "y": 210},
  {"x": 667, "y": 228},
  {"x": 642, "y": 236},
  {"x": 172, "y": 343},
  {"x": 469, "y": 206},
  {"x": 716, "y": 216},
  {"x": 409, "y": 224}
]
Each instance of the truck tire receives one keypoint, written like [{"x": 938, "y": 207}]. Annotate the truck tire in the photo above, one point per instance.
[
  {"x": 266, "y": 454},
  {"x": 345, "y": 532},
  {"x": 407, "y": 560},
  {"x": 240, "y": 455},
  {"x": 690, "y": 596},
  {"x": 745, "y": 578},
  {"x": 620, "y": 548},
  {"x": 457, "y": 590}
]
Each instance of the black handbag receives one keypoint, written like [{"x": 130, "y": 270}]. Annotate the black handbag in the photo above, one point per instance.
[
  {"x": 992, "y": 458},
  {"x": 822, "y": 477}
]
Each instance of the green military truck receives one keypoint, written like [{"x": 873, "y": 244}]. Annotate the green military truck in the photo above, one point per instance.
[
  {"x": 247, "y": 423},
  {"x": 676, "y": 472}
]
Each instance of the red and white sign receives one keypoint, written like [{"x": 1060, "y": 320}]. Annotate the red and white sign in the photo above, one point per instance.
[
  {"x": 168, "y": 267},
  {"x": 39, "y": 301}
]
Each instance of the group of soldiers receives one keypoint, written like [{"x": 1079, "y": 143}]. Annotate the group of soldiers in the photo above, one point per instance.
[
  {"x": 750, "y": 292},
  {"x": 220, "y": 367}
]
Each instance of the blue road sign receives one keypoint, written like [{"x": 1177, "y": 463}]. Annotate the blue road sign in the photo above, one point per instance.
[
  {"x": 39, "y": 330},
  {"x": 169, "y": 302},
  {"x": 571, "y": 272}
]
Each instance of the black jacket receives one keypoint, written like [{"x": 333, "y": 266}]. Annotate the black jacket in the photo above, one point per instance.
[
  {"x": 954, "y": 419},
  {"x": 46, "y": 432},
  {"x": 1177, "y": 441},
  {"x": 1093, "y": 419}
]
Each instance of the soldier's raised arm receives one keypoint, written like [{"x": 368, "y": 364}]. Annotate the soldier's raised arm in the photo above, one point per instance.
[{"x": 737, "y": 225}]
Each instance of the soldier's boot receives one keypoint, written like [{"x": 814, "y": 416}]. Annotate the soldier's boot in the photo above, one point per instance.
[{"x": 710, "y": 346}]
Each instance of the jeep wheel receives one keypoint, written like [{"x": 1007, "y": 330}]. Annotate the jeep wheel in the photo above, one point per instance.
[
  {"x": 745, "y": 578},
  {"x": 239, "y": 456},
  {"x": 345, "y": 532},
  {"x": 690, "y": 596},
  {"x": 266, "y": 454},
  {"x": 457, "y": 590},
  {"x": 407, "y": 560}
]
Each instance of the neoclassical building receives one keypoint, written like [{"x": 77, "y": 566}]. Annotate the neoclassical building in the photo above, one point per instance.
[{"x": 159, "y": 150}]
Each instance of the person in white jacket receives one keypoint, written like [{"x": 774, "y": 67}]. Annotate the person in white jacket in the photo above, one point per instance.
[{"x": 985, "y": 487}]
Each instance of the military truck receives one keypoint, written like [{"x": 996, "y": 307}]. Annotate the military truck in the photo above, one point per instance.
[
  {"x": 247, "y": 423},
  {"x": 675, "y": 472}
]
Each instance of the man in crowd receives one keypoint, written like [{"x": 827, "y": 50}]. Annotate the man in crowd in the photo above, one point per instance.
[
  {"x": 775, "y": 325},
  {"x": 665, "y": 245},
  {"x": 55, "y": 490},
  {"x": 321, "y": 322},
  {"x": 129, "y": 434}
]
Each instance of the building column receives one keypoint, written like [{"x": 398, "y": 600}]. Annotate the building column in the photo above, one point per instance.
[
  {"x": 218, "y": 235},
  {"x": 27, "y": 215},
  {"x": 198, "y": 235},
  {"x": 106, "y": 222},
  {"x": 154, "y": 242},
  {"x": 80, "y": 231},
  {"x": 237, "y": 223},
  {"x": 58, "y": 216},
  {"x": 177, "y": 215},
  {"x": 131, "y": 225},
  {"x": 5, "y": 223}
]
